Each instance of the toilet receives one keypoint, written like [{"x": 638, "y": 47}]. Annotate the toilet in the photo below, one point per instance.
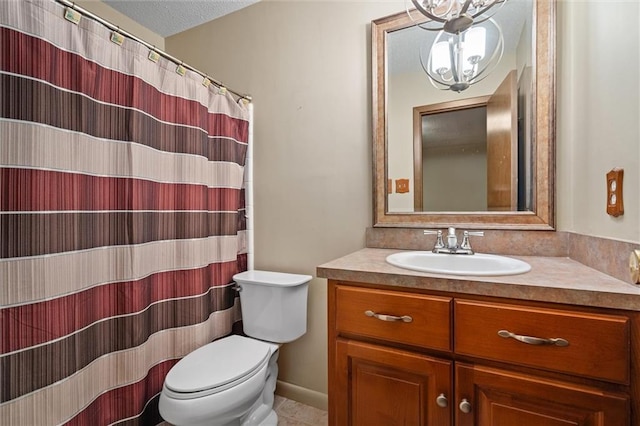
[{"x": 231, "y": 381}]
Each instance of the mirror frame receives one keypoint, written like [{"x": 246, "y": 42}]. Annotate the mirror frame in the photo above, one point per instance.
[{"x": 543, "y": 216}]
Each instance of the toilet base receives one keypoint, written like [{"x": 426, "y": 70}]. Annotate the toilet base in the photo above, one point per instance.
[
  {"x": 271, "y": 420},
  {"x": 262, "y": 413}
]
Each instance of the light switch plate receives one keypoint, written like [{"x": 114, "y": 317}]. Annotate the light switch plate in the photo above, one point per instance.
[{"x": 615, "y": 205}]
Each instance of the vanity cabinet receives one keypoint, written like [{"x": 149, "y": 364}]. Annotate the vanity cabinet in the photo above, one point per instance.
[
  {"x": 378, "y": 384},
  {"x": 402, "y": 357}
]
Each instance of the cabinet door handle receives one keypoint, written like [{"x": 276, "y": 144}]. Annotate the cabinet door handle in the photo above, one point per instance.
[
  {"x": 529, "y": 340},
  {"x": 442, "y": 401},
  {"x": 385, "y": 317},
  {"x": 465, "y": 406}
]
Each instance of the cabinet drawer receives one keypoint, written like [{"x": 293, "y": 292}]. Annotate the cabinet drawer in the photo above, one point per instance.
[
  {"x": 597, "y": 345},
  {"x": 430, "y": 325}
]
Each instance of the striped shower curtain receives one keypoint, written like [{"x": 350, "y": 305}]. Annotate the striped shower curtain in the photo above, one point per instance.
[{"x": 121, "y": 219}]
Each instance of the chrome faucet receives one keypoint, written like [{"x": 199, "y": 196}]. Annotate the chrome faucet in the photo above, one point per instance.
[
  {"x": 452, "y": 246},
  {"x": 452, "y": 239}
]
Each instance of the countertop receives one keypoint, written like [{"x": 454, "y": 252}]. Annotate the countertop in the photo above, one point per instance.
[{"x": 551, "y": 279}]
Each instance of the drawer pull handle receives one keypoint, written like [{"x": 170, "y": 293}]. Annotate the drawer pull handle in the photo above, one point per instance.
[
  {"x": 533, "y": 340},
  {"x": 384, "y": 317}
]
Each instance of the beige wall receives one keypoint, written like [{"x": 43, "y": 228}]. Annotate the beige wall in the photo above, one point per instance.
[
  {"x": 307, "y": 65},
  {"x": 598, "y": 115}
]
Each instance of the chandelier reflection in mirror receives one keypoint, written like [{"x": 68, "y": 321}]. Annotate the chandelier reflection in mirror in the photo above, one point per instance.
[{"x": 455, "y": 61}]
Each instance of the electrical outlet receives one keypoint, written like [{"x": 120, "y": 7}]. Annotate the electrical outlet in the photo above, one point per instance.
[{"x": 615, "y": 205}]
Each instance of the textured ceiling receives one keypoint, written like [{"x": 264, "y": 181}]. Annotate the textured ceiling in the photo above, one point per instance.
[{"x": 169, "y": 17}]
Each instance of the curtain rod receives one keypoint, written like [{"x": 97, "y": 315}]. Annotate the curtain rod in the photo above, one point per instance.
[{"x": 116, "y": 28}]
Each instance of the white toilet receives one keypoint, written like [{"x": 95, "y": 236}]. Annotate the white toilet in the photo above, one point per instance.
[{"x": 231, "y": 381}]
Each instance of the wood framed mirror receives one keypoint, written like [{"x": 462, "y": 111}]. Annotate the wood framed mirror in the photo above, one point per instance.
[{"x": 530, "y": 195}]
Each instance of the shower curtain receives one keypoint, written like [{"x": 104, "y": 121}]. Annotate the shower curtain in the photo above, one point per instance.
[{"x": 122, "y": 219}]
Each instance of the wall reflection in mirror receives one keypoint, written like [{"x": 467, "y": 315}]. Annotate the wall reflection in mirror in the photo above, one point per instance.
[{"x": 466, "y": 151}]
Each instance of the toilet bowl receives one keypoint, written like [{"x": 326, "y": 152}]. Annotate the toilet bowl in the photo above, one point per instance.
[
  {"x": 218, "y": 383},
  {"x": 231, "y": 381}
]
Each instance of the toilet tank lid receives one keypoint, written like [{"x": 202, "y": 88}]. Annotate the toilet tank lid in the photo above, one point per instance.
[{"x": 271, "y": 278}]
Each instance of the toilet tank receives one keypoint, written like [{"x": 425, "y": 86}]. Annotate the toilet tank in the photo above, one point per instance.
[{"x": 274, "y": 304}]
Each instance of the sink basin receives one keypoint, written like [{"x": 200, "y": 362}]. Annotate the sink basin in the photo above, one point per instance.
[{"x": 458, "y": 264}]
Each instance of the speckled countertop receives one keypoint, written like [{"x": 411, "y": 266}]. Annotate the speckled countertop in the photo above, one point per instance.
[{"x": 551, "y": 279}]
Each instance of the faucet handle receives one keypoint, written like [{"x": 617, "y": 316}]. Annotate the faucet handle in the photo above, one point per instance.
[
  {"x": 475, "y": 233},
  {"x": 439, "y": 243},
  {"x": 466, "y": 245}
]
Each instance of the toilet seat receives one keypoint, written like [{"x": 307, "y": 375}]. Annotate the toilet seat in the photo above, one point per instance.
[{"x": 217, "y": 366}]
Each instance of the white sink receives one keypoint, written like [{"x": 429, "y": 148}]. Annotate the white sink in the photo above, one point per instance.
[{"x": 458, "y": 264}]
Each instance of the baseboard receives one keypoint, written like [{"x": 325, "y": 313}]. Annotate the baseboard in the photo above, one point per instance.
[{"x": 303, "y": 395}]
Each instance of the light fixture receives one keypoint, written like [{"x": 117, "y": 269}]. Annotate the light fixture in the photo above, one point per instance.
[
  {"x": 456, "y": 61},
  {"x": 455, "y": 16}
]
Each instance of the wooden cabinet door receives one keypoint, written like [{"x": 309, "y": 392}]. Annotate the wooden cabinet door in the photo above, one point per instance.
[
  {"x": 377, "y": 385},
  {"x": 502, "y": 146},
  {"x": 502, "y": 398}
]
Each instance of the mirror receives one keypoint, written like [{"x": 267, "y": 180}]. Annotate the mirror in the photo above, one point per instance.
[{"x": 419, "y": 159}]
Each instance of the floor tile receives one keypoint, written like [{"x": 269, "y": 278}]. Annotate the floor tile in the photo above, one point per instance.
[{"x": 292, "y": 413}]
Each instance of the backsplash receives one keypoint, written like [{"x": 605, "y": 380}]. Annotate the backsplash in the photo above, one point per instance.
[
  {"x": 605, "y": 255},
  {"x": 520, "y": 243}
]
